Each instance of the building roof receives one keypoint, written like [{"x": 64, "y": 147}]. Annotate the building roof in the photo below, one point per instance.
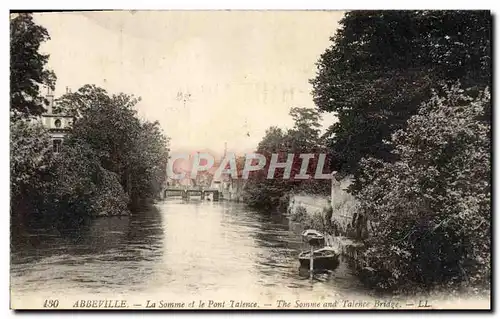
[{"x": 57, "y": 115}]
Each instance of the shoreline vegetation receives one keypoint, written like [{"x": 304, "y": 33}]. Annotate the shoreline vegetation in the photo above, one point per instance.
[
  {"x": 410, "y": 91},
  {"x": 109, "y": 165},
  {"x": 414, "y": 132},
  {"x": 110, "y": 162}
]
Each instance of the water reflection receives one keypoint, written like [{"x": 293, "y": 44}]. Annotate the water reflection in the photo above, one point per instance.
[
  {"x": 181, "y": 247},
  {"x": 103, "y": 254}
]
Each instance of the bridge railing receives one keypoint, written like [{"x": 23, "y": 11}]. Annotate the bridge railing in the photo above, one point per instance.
[
  {"x": 191, "y": 188},
  {"x": 187, "y": 192}
]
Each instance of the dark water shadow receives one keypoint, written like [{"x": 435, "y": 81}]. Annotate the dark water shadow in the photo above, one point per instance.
[{"x": 90, "y": 237}]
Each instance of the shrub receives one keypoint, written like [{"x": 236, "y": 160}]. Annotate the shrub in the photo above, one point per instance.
[
  {"x": 284, "y": 202},
  {"x": 431, "y": 208},
  {"x": 316, "y": 221},
  {"x": 299, "y": 215},
  {"x": 81, "y": 188},
  {"x": 110, "y": 198},
  {"x": 31, "y": 155}
]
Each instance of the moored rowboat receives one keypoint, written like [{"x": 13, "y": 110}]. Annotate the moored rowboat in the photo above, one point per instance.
[
  {"x": 324, "y": 258},
  {"x": 313, "y": 237}
]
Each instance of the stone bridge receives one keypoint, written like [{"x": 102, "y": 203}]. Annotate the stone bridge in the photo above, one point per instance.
[{"x": 186, "y": 192}]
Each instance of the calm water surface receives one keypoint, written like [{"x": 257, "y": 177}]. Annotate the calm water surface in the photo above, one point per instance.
[{"x": 181, "y": 248}]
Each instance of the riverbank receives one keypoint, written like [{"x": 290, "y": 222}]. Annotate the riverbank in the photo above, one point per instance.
[
  {"x": 349, "y": 239},
  {"x": 335, "y": 215},
  {"x": 316, "y": 212}
]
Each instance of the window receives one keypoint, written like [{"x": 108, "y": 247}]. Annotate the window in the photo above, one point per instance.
[
  {"x": 56, "y": 145},
  {"x": 57, "y": 123}
]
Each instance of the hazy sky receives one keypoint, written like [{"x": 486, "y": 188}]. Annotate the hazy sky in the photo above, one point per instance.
[{"x": 244, "y": 70}]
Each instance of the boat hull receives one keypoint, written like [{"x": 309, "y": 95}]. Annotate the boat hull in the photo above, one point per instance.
[{"x": 320, "y": 262}]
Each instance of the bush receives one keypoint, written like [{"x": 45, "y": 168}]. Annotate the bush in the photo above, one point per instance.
[
  {"x": 431, "y": 209},
  {"x": 316, "y": 221},
  {"x": 109, "y": 199},
  {"x": 284, "y": 202},
  {"x": 30, "y": 158},
  {"x": 300, "y": 215},
  {"x": 81, "y": 188},
  {"x": 265, "y": 194},
  {"x": 321, "y": 221}
]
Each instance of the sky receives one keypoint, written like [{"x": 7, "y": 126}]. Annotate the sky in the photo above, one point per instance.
[{"x": 209, "y": 78}]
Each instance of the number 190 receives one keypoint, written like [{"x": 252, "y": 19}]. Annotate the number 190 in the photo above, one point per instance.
[{"x": 49, "y": 303}]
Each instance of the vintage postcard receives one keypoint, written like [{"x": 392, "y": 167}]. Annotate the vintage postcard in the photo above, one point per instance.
[{"x": 229, "y": 160}]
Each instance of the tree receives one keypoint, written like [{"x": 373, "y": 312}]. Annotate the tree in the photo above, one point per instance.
[
  {"x": 149, "y": 161},
  {"x": 30, "y": 160},
  {"x": 430, "y": 210},
  {"x": 383, "y": 64},
  {"x": 88, "y": 96},
  {"x": 109, "y": 125},
  {"x": 29, "y": 143},
  {"x": 261, "y": 192},
  {"x": 305, "y": 134},
  {"x": 303, "y": 137},
  {"x": 27, "y": 67},
  {"x": 81, "y": 188},
  {"x": 135, "y": 150}
]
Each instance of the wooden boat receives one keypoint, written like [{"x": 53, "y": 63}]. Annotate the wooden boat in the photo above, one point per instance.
[
  {"x": 311, "y": 233},
  {"x": 324, "y": 258},
  {"x": 313, "y": 237}
]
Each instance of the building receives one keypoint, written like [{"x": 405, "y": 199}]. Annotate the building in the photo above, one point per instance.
[{"x": 57, "y": 124}]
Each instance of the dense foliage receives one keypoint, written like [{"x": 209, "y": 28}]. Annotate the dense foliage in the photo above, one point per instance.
[
  {"x": 383, "y": 64},
  {"x": 30, "y": 160},
  {"x": 417, "y": 145},
  {"x": 27, "y": 67},
  {"x": 110, "y": 161},
  {"x": 430, "y": 210},
  {"x": 136, "y": 151},
  {"x": 303, "y": 137}
]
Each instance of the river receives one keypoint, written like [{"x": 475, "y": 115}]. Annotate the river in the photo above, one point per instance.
[{"x": 196, "y": 248}]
